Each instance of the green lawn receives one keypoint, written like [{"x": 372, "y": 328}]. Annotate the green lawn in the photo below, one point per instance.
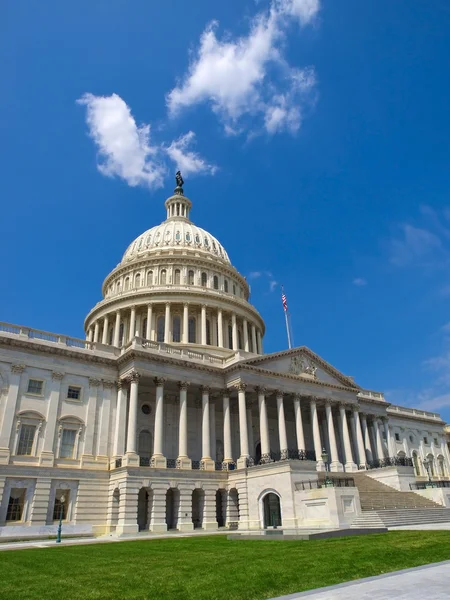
[{"x": 205, "y": 568}]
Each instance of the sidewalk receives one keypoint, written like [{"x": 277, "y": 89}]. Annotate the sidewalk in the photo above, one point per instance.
[{"x": 430, "y": 581}]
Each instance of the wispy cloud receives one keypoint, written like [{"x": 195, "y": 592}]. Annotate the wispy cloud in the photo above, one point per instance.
[
  {"x": 359, "y": 281},
  {"x": 126, "y": 150},
  {"x": 248, "y": 76},
  {"x": 273, "y": 285},
  {"x": 254, "y": 274}
]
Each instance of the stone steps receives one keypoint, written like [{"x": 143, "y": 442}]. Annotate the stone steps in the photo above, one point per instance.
[{"x": 395, "y": 518}]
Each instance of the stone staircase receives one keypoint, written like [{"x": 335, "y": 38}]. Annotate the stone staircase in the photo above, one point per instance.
[{"x": 384, "y": 506}]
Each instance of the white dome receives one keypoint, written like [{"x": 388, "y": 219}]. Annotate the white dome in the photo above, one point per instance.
[{"x": 175, "y": 234}]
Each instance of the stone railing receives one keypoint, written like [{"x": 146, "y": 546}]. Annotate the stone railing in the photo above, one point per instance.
[
  {"x": 413, "y": 412},
  {"x": 54, "y": 338},
  {"x": 371, "y": 395},
  {"x": 182, "y": 353}
]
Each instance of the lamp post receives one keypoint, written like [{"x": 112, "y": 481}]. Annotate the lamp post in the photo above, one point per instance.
[
  {"x": 328, "y": 482},
  {"x": 61, "y": 511}
]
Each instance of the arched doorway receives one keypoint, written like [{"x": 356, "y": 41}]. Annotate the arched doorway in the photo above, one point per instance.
[
  {"x": 258, "y": 453},
  {"x": 221, "y": 503},
  {"x": 142, "y": 513},
  {"x": 172, "y": 506},
  {"x": 272, "y": 510},
  {"x": 198, "y": 499}
]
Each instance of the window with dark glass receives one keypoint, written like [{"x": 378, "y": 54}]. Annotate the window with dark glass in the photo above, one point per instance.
[
  {"x": 35, "y": 386},
  {"x": 60, "y": 508},
  {"x": 16, "y": 504},
  {"x": 176, "y": 336},
  {"x": 230, "y": 337},
  {"x": 191, "y": 278},
  {"x": 74, "y": 392},
  {"x": 204, "y": 279},
  {"x": 225, "y": 285},
  {"x": 26, "y": 439},
  {"x": 177, "y": 277},
  {"x": 216, "y": 282},
  {"x": 160, "y": 329},
  {"x": 67, "y": 443},
  {"x": 191, "y": 330},
  {"x": 208, "y": 332}
]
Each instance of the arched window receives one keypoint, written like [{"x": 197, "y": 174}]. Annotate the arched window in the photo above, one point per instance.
[
  {"x": 176, "y": 335},
  {"x": 234, "y": 289},
  {"x": 160, "y": 329},
  {"x": 204, "y": 279},
  {"x": 137, "y": 280},
  {"x": 191, "y": 330},
  {"x": 216, "y": 282},
  {"x": 150, "y": 278},
  {"x": 230, "y": 337},
  {"x": 144, "y": 328},
  {"x": 240, "y": 339},
  {"x": 225, "y": 286},
  {"x": 177, "y": 277},
  {"x": 191, "y": 278},
  {"x": 127, "y": 283},
  {"x": 162, "y": 277},
  {"x": 208, "y": 332}
]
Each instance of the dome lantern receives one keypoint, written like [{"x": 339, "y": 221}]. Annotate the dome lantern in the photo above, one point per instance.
[{"x": 178, "y": 206}]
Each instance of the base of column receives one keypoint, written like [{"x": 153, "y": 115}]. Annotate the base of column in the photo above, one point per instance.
[
  {"x": 127, "y": 529},
  {"x": 210, "y": 525},
  {"x": 207, "y": 464},
  {"x": 184, "y": 462},
  {"x": 158, "y": 527},
  {"x": 158, "y": 461},
  {"x": 131, "y": 459},
  {"x": 320, "y": 465},
  {"x": 336, "y": 467},
  {"x": 228, "y": 464},
  {"x": 188, "y": 526},
  {"x": 5, "y": 454},
  {"x": 265, "y": 459},
  {"x": 245, "y": 461},
  {"x": 46, "y": 459},
  {"x": 350, "y": 467}
]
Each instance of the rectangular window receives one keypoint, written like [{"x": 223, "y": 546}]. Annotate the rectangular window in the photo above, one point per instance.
[
  {"x": 397, "y": 437},
  {"x": 67, "y": 443},
  {"x": 435, "y": 442},
  {"x": 26, "y": 439},
  {"x": 425, "y": 440},
  {"x": 61, "y": 505},
  {"x": 74, "y": 392},
  {"x": 16, "y": 504},
  {"x": 35, "y": 386}
]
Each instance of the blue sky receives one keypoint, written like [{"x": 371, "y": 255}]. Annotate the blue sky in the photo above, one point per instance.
[{"x": 314, "y": 139}]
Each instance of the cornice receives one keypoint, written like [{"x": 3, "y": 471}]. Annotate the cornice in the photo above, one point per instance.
[{"x": 401, "y": 416}]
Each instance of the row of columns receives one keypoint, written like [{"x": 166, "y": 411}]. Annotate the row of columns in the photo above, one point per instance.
[
  {"x": 252, "y": 337},
  {"x": 364, "y": 450}
]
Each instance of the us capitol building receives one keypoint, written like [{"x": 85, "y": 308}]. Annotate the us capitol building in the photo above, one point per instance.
[{"x": 170, "y": 416}]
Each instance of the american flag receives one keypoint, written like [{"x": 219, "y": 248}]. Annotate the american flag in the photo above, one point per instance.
[{"x": 284, "y": 300}]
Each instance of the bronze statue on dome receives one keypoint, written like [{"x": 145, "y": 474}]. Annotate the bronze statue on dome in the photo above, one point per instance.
[{"x": 179, "y": 179}]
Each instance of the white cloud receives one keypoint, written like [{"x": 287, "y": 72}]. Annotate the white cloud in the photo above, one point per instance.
[
  {"x": 254, "y": 274},
  {"x": 273, "y": 285},
  {"x": 248, "y": 76},
  {"x": 187, "y": 160},
  {"x": 359, "y": 281},
  {"x": 124, "y": 149},
  {"x": 415, "y": 247}
]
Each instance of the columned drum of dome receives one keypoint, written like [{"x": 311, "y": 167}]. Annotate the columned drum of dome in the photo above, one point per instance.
[{"x": 176, "y": 285}]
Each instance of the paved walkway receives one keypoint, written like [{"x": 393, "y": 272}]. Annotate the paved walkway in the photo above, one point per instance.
[{"x": 431, "y": 582}]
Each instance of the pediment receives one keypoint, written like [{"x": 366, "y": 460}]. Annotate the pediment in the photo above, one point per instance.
[{"x": 303, "y": 363}]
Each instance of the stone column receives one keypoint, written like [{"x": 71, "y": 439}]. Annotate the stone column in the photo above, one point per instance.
[
  {"x": 167, "y": 324},
  {"x": 148, "y": 328},
  {"x": 335, "y": 465},
  {"x": 227, "y": 451},
  {"x": 206, "y": 463},
  {"x": 132, "y": 457},
  {"x": 234, "y": 331},
  {"x": 380, "y": 450},
  {"x": 117, "y": 329},
  {"x": 212, "y": 430},
  {"x": 259, "y": 340},
  {"x": 183, "y": 461},
  {"x": 366, "y": 438},
  {"x": 284, "y": 454},
  {"x": 96, "y": 330},
  {"x": 251, "y": 443},
  {"x": 385, "y": 422},
  {"x": 359, "y": 439},
  {"x": 47, "y": 455},
  {"x": 9, "y": 412},
  {"x": 104, "y": 418},
  {"x": 119, "y": 430},
  {"x": 350, "y": 466},
  {"x": 185, "y": 509},
  {"x": 245, "y": 328},
  {"x": 105, "y": 330},
  {"x": 158, "y": 511},
  {"x": 255, "y": 349},
  {"x": 186, "y": 324},
  {"x": 263, "y": 426},
  {"x": 316, "y": 435},
  {"x": 128, "y": 505},
  {"x": 158, "y": 460},
  {"x": 87, "y": 458},
  {"x": 244, "y": 458},
  {"x": 132, "y": 323},
  {"x": 220, "y": 328},
  {"x": 299, "y": 425},
  {"x": 203, "y": 322}
]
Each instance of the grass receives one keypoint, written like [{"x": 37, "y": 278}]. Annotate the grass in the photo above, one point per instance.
[{"x": 206, "y": 568}]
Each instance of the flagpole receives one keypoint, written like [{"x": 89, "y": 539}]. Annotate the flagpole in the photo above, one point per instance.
[{"x": 286, "y": 317}]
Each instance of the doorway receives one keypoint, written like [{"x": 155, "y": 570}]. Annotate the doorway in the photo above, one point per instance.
[{"x": 272, "y": 511}]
